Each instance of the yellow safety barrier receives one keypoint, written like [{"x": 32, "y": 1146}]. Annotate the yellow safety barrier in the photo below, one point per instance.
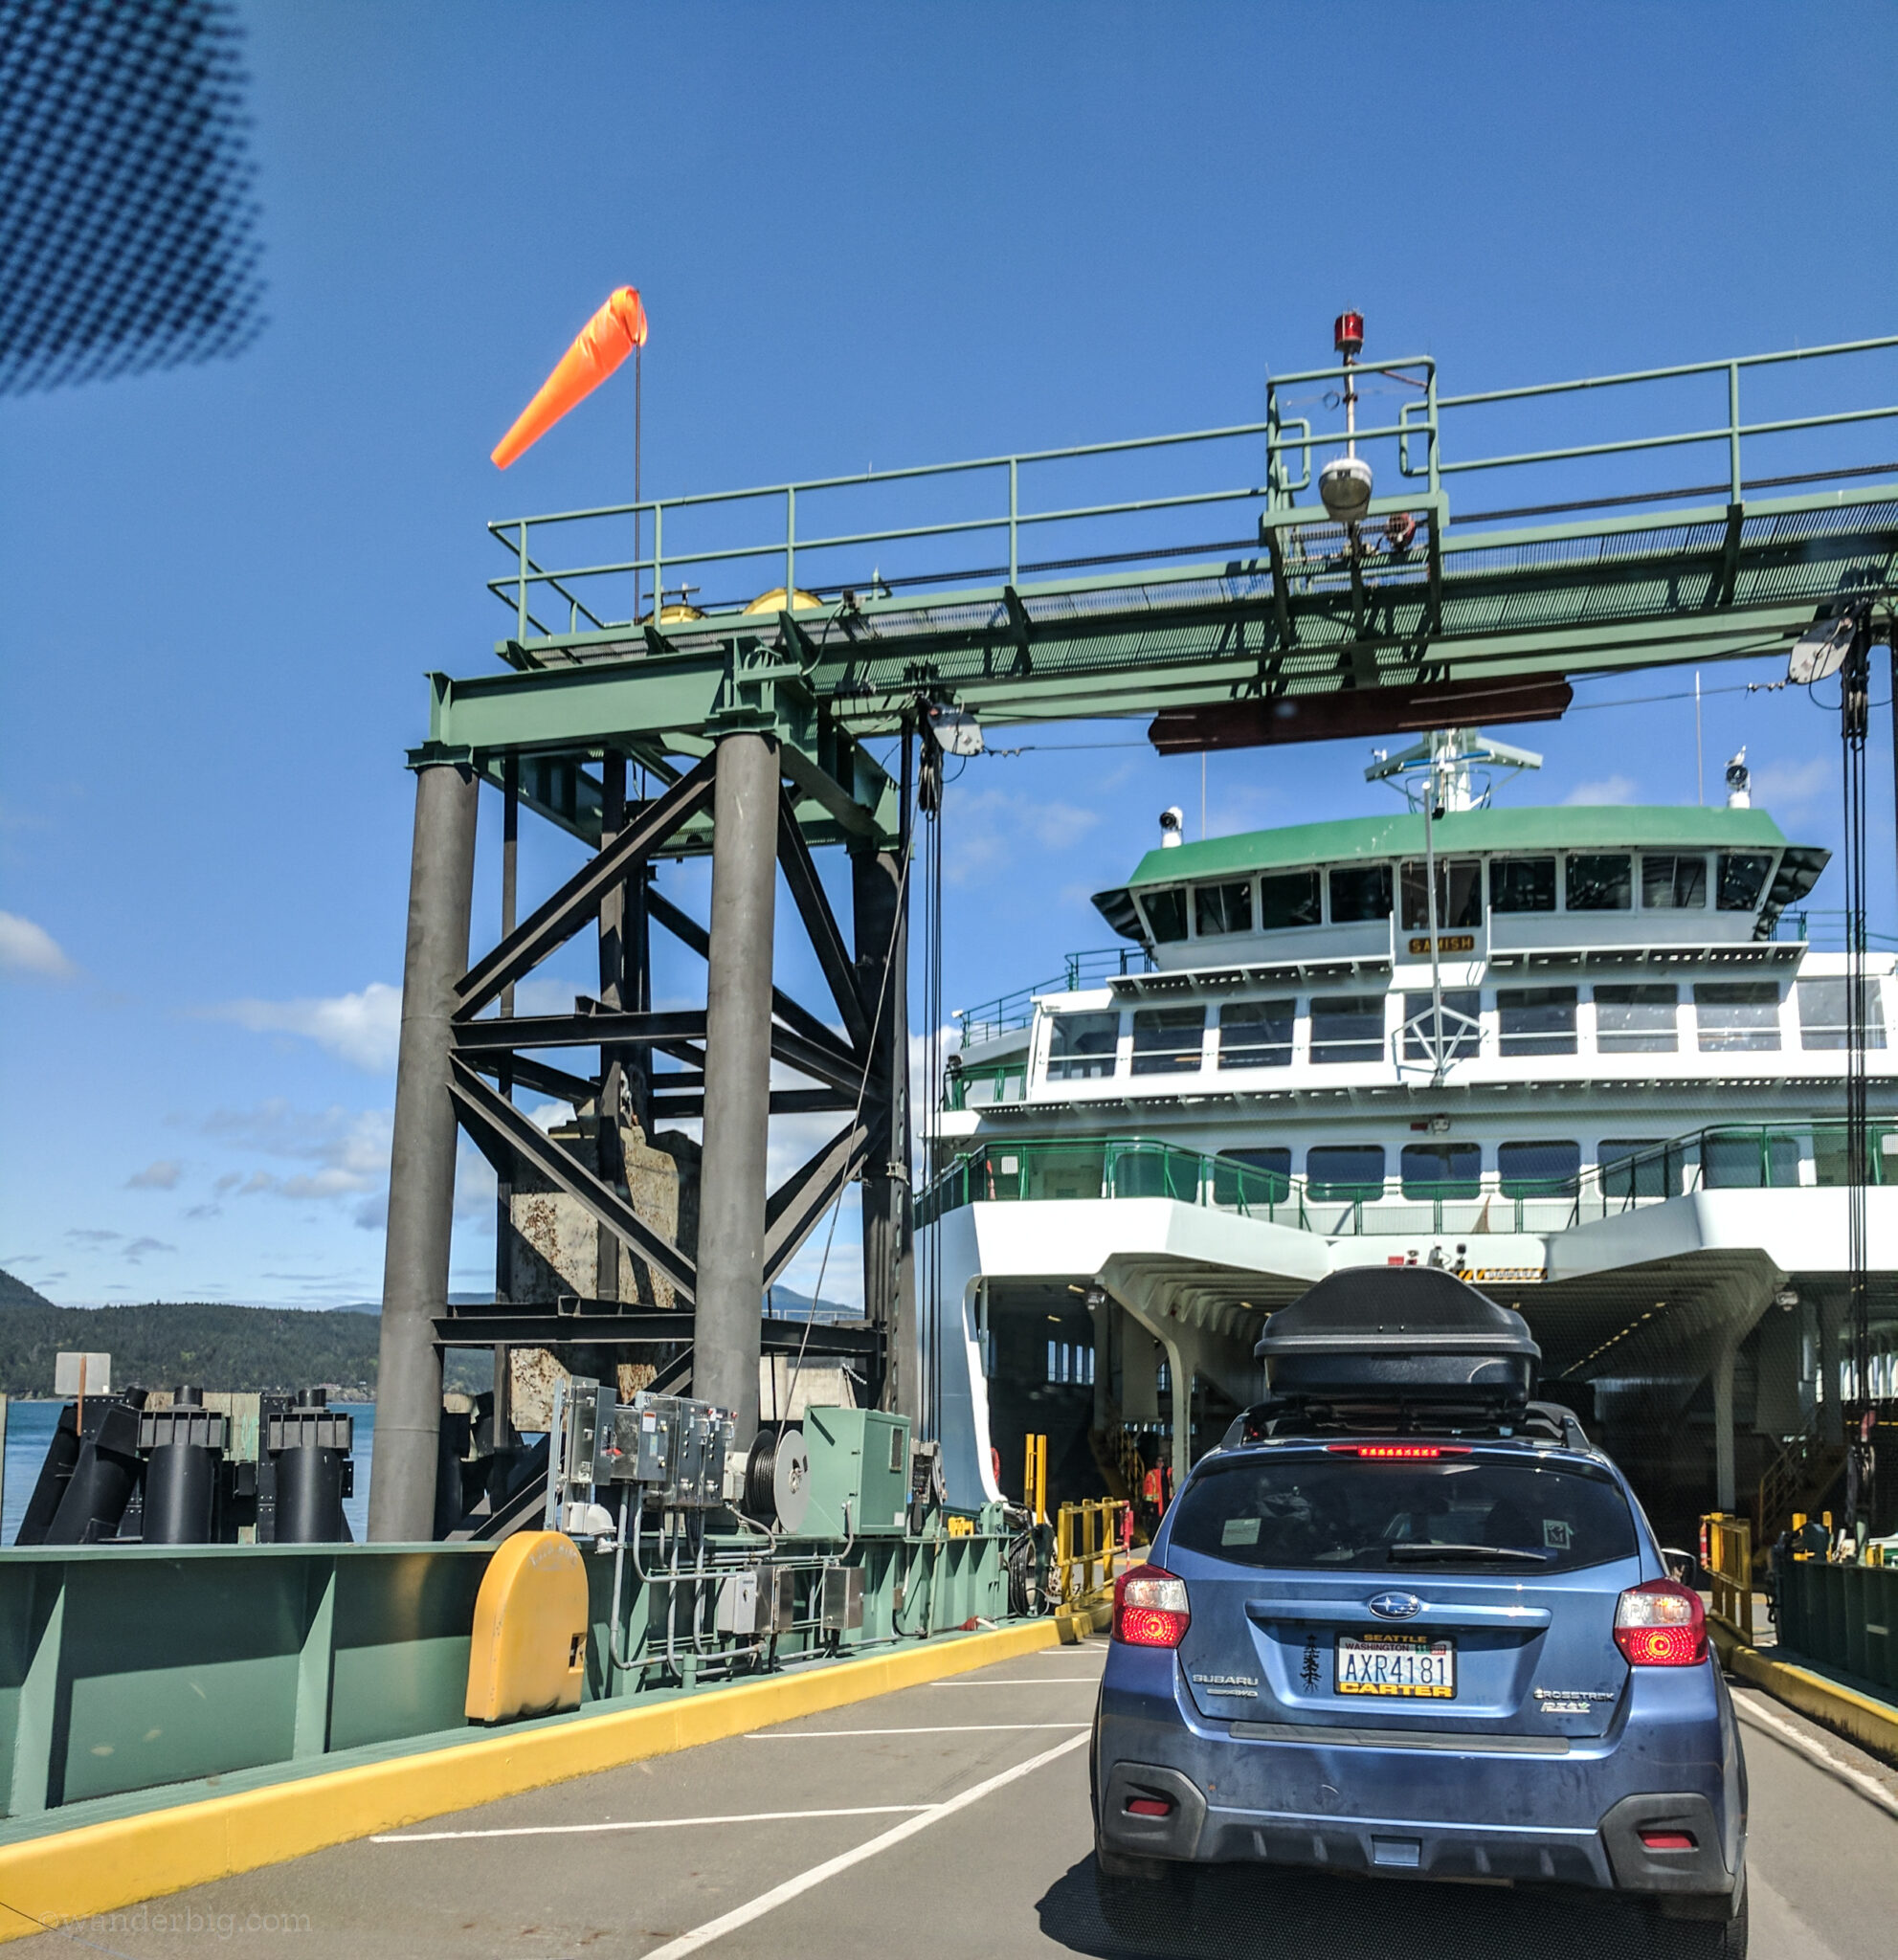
[
  {"x": 1726, "y": 1551},
  {"x": 1034, "y": 1479},
  {"x": 1088, "y": 1556}
]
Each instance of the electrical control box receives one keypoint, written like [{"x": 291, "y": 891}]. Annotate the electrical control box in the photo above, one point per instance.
[
  {"x": 859, "y": 1472},
  {"x": 844, "y": 1599},
  {"x": 588, "y": 1431},
  {"x": 673, "y": 1448}
]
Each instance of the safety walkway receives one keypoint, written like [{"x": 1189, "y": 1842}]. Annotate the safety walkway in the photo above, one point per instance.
[{"x": 949, "y": 1822}]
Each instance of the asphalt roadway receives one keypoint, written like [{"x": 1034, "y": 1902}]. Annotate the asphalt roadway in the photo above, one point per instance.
[{"x": 951, "y": 1820}]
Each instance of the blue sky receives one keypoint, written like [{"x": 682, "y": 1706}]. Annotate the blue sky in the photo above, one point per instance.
[{"x": 887, "y": 234}]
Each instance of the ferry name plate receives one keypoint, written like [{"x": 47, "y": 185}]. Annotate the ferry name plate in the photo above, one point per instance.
[{"x": 1446, "y": 942}]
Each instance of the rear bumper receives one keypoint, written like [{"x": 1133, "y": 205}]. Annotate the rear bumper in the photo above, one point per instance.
[
  {"x": 1207, "y": 1797},
  {"x": 1611, "y": 1856}
]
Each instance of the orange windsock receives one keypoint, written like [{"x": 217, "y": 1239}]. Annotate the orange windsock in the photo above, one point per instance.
[{"x": 600, "y": 346}]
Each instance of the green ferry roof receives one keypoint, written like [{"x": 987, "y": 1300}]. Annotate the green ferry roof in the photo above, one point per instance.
[{"x": 1587, "y": 827}]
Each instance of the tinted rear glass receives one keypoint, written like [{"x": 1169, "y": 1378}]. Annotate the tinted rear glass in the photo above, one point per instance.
[{"x": 1324, "y": 1513}]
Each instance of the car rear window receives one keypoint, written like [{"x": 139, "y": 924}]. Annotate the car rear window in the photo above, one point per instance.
[{"x": 1454, "y": 1513}]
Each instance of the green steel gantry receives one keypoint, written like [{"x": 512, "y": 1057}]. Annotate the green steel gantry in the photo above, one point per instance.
[{"x": 1193, "y": 578}]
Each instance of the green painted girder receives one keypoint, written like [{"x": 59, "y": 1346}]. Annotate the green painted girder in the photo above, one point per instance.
[{"x": 1702, "y": 584}]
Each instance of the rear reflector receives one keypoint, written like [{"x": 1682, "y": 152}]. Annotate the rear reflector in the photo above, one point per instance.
[
  {"x": 1661, "y": 1624},
  {"x": 1149, "y": 1608},
  {"x": 1157, "y": 1807},
  {"x": 1666, "y": 1840},
  {"x": 1406, "y": 1453}
]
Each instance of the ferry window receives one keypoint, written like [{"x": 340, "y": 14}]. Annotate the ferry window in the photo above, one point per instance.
[
  {"x": 1737, "y": 1013},
  {"x": 1635, "y": 1020},
  {"x": 1347, "y": 1027},
  {"x": 1742, "y": 879},
  {"x": 1822, "y": 1014},
  {"x": 1672, "y": 883},
  {"x": 1246, "y": 1178},
  {"x": 1345, "y": 1171},
  {"x": 1166, "y": 913},
  {"x": 1168, "y": 1040},
  {"x": 1536, "y": 1020},
  {"x": 1638, "y": 1167},
  {"x": 1360, "y": 891},
  {"x": 1083, "y": 1045},
  {"x": 1521, "y": 884},
  {"x": 1257, "y": 1033},
  {"x": 1749, "y": 1160},
  {"x": 1459, "y": 895},
  {"x": 1600, "y": 882},
  {"x": 1538, "y": 1169},
  {"x": 1463, "y": 1032},
  {"x": 1222, "y": 908},
  {"x": 1442, "y": 1170},
  {"x": 1071, "y": 1361},
  {"x": 1288, "y": 898}
]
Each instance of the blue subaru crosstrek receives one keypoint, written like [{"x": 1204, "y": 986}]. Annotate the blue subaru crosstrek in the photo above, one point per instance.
[{"x": 1384, "y": 1631}]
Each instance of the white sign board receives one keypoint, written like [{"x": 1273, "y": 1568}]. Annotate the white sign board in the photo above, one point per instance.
[{"x": 83, "y": 1374}]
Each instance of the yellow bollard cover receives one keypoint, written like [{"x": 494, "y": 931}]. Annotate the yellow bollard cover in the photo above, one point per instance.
[{"x": 530, "y": 1651}]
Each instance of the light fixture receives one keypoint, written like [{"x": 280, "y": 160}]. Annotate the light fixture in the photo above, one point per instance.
[
  {"x": 1822, "y": 649},
  {"x": 1786, "y": 1300},
  {"x": 1097, "y": 1299},
  {"x": 1344, "y": 483}
]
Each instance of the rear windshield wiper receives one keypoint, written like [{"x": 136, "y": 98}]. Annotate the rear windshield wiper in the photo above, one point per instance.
[{"x": 1420, "y": 1552}]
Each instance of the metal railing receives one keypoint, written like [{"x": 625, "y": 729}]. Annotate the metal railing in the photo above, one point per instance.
[
  {"x": 1724, "y": 1157},
  {"x": 1823, "y": 928},
  {"x": 1010, "y": 1012},
  {"x": 1728, "y": 1555},
  {"x": 978, "y": 1088},
  {"x": 611, "y": 589}
]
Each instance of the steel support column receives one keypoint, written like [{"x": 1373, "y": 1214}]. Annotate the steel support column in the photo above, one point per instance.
[
  {"x": 421, "y": 1173},
  {"x": 879, "y": 927},
  {"x": 738, "y": 1080}
]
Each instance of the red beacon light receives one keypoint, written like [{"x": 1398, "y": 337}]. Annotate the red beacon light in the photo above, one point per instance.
[{"x": 1348, "y": 335}]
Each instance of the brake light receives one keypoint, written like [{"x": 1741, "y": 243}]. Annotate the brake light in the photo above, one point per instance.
[
  {"x": 1150, "y": 1807},
  {"x": 1661, "y": 1624},
  {"x": 1666, "y": 1840},
  {"x": 1405, "y": 1453},
  {"x": 1149, "y": 1608}
]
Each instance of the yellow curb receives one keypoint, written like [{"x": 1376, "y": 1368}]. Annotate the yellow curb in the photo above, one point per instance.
[
  {"x": 1872, "y": 1725},
  {"x": 72, "y": 1875}
]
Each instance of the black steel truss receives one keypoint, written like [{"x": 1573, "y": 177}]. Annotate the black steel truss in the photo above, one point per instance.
[{"x": 497, "y": 1045}]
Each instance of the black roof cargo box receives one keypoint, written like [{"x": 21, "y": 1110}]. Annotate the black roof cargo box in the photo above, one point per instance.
[{"x": 1399, "y": 1335}]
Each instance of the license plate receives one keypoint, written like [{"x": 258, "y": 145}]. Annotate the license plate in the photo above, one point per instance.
[{"x": 1410, "y": 1664}]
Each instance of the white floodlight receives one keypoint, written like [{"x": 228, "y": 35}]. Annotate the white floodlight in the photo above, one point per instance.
[
  {"x": 1821, "y": 650},
  {"x": 1344, "y": 484}
]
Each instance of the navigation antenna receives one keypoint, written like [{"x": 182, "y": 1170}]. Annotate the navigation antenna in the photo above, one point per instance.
[{"x": 1451, "y": 769}]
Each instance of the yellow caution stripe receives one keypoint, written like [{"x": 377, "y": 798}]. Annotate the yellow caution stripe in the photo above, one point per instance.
[{"x": 71, "y": 1875}]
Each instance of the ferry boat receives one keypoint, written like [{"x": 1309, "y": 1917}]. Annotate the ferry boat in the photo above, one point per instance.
[{"x": 1589, "y": 1059}]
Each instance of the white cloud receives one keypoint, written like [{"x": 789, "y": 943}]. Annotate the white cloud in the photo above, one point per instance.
[
  {"x": 29, "y": 948},
  {"x": 162, "y": 1175},
  {"x": 1609, "y": 789},
  {"x": 989, "y": 827},
  {"x": 349, "y": 1149},
  {"x": 363, "y": 1028},
  {"x": 1792, "y": 785},
  {"x": 136, "y": 1252}
]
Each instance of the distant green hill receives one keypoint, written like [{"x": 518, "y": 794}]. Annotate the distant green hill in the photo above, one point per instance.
[
  {"x": 18, "y": 1293},
  {"x": 160, "y": 1345}
]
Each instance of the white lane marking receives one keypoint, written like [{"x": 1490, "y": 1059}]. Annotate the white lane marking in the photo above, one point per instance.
[
  {"x": 1867, "y": 1786},
  {"x": 805, "y": 1881},
  {"x": 940, "y": 1728},
  {"x": 868, "y": 1810}
]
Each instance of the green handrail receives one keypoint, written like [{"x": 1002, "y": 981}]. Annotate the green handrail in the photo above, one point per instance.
[
  {"x": 1724, "y": 1156},
  {"x": 774, "y": 549}
]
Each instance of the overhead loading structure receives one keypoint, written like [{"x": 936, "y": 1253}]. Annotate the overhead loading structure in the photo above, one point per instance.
[{"x": 1237, "y": 586}]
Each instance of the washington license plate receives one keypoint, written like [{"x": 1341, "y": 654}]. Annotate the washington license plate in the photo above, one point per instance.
[{"x": 1409, "y": 1664}]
